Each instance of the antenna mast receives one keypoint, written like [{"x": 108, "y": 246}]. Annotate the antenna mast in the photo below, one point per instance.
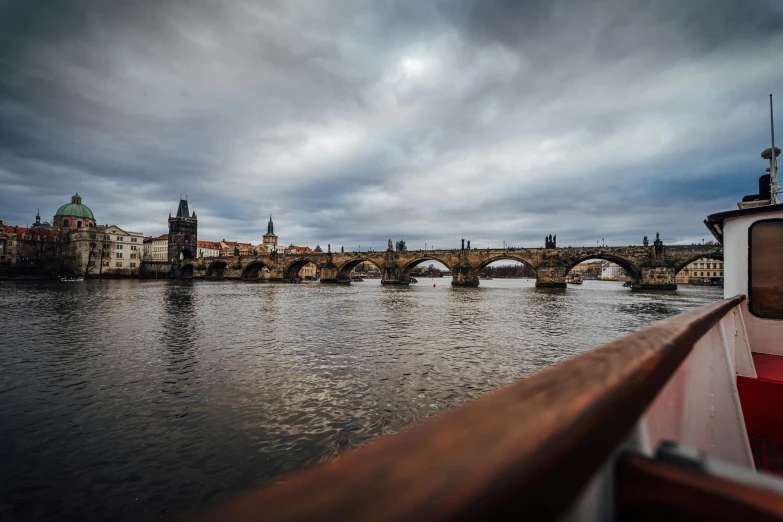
[{"x": 773, "y": 181}]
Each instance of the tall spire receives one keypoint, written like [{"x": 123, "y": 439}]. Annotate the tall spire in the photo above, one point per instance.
[
  {"x": 270, "y": 228},
  {"x": 38, "y": 217}
]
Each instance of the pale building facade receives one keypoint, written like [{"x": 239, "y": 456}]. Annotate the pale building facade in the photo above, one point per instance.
[
  {"x": 157, "y": 248},
  {"x": 309, "y": 271},
  {"x": 107, "y": 250},
  {"x": 588, "y": 269},
  {"x": 611, "y": 271},
  {"x": 208, "y": 249},
  {"x": 230, "y": 248},
  {"x": 701, "y": 270}
]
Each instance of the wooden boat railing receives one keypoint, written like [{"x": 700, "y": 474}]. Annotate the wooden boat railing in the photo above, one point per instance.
[{"x": 525, "y": 451}]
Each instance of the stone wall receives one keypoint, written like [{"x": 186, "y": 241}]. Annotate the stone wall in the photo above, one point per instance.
[
  {"x": 657, "y": 278},
  {"x": 646, "y": 269}
]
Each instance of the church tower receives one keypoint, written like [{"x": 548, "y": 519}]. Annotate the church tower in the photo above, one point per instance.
[
  {"x": 270, "y": 239},
  {"x": 183, "y": 233}
]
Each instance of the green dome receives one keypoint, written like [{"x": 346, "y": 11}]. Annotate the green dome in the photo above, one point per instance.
[{"x": 75, "y": 209}]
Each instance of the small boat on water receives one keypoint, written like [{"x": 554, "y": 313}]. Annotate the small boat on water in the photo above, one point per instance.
[
  {"x": 574, "y": 279},
  {"x": 681, "y": 420},
  {"x": 70, "y": 280}
]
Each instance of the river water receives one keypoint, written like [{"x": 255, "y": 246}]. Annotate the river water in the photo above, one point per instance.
[{"x": 139, "y": 400}]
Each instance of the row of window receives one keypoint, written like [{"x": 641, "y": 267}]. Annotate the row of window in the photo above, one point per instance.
[
  {"x": 119, "y": 255},
  {"x": 708, "y": 265},
  {"x": 117, "y": 264}
]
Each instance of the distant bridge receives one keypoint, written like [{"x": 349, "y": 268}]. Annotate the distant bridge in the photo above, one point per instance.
[{"x": 648, "y": 267}]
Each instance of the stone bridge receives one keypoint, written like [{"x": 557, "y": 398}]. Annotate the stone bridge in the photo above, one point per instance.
[{"x": 648, "y": 267}]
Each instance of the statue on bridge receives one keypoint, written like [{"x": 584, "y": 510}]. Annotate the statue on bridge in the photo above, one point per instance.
[
  {"x": 342, "y": 250},
  {"x": 645, "y": 241},
  {"x": 329, "y": 248},
  {"x": 391, "y": 247},
  {"x": 468, "y": 245},
  {"x": 550, "y": 241},
  {"x": 463, "y": 243},
  {"x": 658, "y": 248}
]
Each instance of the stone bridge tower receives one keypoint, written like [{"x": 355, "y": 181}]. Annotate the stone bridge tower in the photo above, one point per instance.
[{"x": 183, "y": 234}]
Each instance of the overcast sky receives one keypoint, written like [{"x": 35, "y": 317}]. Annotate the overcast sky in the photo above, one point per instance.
[{"x": 356, "y": 122}]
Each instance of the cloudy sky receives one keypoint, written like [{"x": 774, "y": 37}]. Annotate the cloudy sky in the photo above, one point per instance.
[{"x": 359, "y": 121}]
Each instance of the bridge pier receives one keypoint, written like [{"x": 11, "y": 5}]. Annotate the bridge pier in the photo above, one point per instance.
[
  {"x": 392, "y": 275},
  {"x": 464, "y": 276},
  {"x": 656, "y": 278},
  {"x": 551, "y": 277},
  {"x": 274, "y": 276},
  {"x": 330, "y": 275}
]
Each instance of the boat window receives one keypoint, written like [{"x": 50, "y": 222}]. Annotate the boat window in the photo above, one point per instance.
[{"x": 766, "y": 269}]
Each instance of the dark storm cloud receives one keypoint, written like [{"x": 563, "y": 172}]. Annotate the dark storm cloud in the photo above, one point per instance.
[{"x": 359, "y": 121}]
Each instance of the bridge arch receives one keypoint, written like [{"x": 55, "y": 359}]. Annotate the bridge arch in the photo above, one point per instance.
[
  {"x": 186, "y": 254},
  {"x": 186, "y": 271},
  {"x": 253, "y": 268},
  {"x": 631, "y": 269},
  {"x": 216, "y": 269},
  {"x": 291, "y": 271},
  {"x": 405, "y": 272},
  {"x": 507, "y": 257},
  {"x": 344, "y": 270},
  {"x": 717, "y": 256}
]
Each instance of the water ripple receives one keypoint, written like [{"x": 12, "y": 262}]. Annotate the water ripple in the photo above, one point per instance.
[{"x": 127, "y": 400}]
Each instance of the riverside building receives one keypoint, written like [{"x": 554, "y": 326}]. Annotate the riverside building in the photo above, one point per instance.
[
  {"x": 701, "y": 270},
  {"x": 108, "y": 250}
]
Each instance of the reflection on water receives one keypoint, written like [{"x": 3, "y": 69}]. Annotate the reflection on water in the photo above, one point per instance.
[{"x": 127, "y": 400}]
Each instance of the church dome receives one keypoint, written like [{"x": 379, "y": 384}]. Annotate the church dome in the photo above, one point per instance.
[{"x": 75, "y": 209}]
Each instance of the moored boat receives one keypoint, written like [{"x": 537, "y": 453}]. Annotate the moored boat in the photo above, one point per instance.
[{"x": 574, "y": 279}]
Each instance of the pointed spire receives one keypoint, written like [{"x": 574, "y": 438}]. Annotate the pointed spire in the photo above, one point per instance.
[
  {"x": 182, "y": 210},
  {"x": 270, "y": 227}
]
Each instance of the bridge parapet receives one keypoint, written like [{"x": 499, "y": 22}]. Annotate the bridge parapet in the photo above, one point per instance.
[{"x": 653, "y": 266}]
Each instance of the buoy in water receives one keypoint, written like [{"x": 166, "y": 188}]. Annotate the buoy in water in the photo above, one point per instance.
[{"x": 433, "y": 285}]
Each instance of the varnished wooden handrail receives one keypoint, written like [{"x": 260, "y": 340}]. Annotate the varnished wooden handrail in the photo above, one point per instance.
[
  {"x": 650, "y": 490},
  {"x": 527, "y": 449}
]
